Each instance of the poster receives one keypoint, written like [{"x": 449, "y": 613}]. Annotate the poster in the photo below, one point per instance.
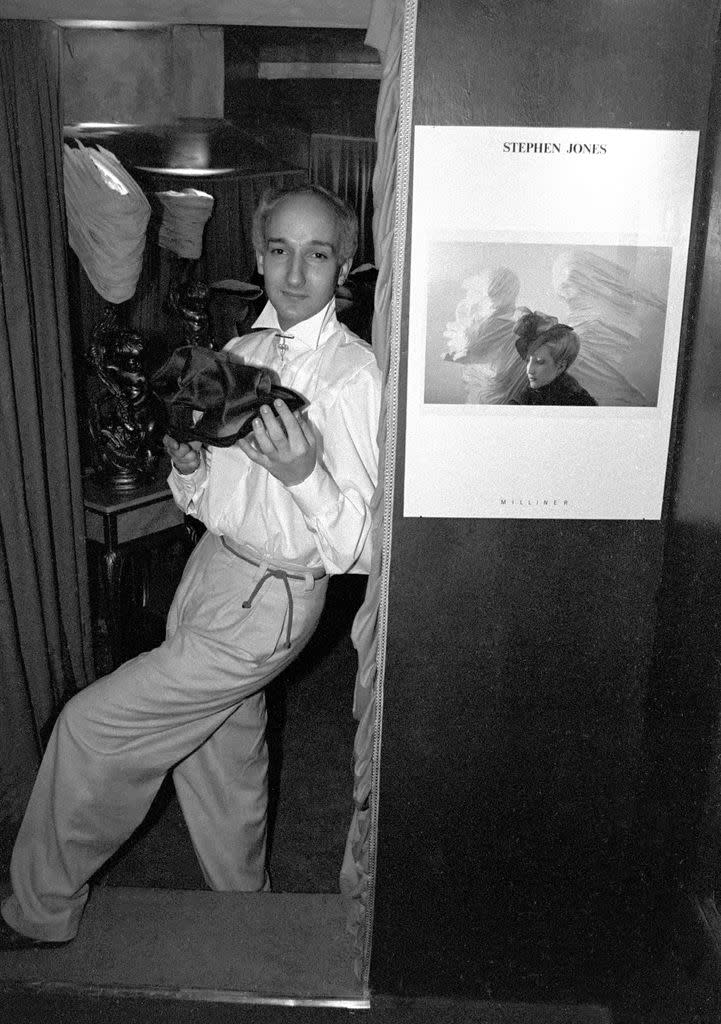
[{"x": 582, "y": 230}]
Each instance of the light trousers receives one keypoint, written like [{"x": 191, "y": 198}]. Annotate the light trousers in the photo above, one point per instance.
[{"x": 194, "y": 706}]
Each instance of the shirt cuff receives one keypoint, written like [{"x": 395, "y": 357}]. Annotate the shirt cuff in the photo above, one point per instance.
[
  {"x": 185, "y": 486},
  {"x": 316, "y": 493}
]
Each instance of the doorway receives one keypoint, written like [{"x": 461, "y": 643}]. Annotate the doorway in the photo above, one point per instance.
[{"x": 314, "y": 914}]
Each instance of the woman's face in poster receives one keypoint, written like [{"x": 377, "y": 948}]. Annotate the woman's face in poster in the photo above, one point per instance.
[{"x": 541, "y": 367}]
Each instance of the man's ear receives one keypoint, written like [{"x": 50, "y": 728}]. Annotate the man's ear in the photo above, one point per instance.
[
  {"x": 343, "y": 271},
  {"x": 259, "y": 260}
]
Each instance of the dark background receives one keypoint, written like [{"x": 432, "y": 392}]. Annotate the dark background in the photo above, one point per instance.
[{"x": 551, "y": 689}]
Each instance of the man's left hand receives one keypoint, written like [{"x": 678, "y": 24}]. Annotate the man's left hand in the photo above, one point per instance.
[{"x": 285, "y": 444}]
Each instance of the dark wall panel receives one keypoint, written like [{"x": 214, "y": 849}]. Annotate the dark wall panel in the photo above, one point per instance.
[
  {"x": 519, "y": 652},
  {"x": 684, "y": 813}
]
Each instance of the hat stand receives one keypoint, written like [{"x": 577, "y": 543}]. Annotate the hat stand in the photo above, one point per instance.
[
  {"x": 184, "y": 215},
  {"x": 189, "y": 299},
  {"x": 121, "y": 406}
]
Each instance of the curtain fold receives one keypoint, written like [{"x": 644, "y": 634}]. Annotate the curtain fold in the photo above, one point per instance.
[
  {"x": 45, "y": 626},
  {"x": 386, "y": 32},
  {"x": 344, "y": 164}
]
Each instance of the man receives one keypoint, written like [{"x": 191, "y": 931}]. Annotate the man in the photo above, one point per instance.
[{"x": 283, "y": 508}]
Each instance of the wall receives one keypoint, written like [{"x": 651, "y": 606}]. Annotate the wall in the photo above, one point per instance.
[
  {"x": 683, "y": 817},
  {"x": 141, "y": 76},
  {"x": 520, "y": 652},
  {"x": 331, "y": 13},
  {"x": 284, "y": 111}
]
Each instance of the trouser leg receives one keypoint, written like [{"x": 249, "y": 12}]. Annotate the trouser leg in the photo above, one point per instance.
[
  {"x": 115, "y": 741},
  {"x": 222, "y": 788},
  {"x": 108, "y": 754}
]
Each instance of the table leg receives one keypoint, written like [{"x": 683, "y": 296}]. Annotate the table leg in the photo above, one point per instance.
[{"x": 113, "y": 562}]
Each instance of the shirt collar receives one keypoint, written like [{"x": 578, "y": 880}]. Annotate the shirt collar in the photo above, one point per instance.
[{"x": 308, "y": 333}]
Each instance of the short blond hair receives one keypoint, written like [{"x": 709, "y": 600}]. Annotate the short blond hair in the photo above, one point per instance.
[
  {"x": 563, "y": 343},
  {"x": 345, "y": 216}
]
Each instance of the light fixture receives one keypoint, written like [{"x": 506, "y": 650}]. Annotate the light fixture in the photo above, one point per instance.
[{"x": 130, "y": 25}]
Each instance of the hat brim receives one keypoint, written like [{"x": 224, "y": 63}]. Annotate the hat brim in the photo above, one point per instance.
[{"x": 223, "y": 430}]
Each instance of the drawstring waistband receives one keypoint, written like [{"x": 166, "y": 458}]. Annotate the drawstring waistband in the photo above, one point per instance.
[{"x": 310, "y": 576}]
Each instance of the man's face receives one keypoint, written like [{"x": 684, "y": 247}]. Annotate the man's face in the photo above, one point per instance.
[
  {"x": 300, "y": 261},
  {"x": 541, "y": 367}
]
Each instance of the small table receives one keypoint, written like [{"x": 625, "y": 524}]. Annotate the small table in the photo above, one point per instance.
[{"x": 121, "y": 525}]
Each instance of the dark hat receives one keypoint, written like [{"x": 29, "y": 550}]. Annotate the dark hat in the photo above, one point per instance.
[
  {"x": 213, "y": 396},
  {"x": 534, "y": 329}
]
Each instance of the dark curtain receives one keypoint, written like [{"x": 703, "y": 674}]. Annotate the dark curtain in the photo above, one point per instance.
[
  {"x": 345, "y": 165},
  {"x": 45, "y": 635}
]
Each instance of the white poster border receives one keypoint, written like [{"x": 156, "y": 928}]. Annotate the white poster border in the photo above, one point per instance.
[{"x": 623, "y": 199}]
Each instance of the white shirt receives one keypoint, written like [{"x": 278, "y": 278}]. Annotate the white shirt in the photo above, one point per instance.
[{"x": 325, "y": 519}]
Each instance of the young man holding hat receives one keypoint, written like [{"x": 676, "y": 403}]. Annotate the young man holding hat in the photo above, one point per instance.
[{"x": 284, "y": 507}]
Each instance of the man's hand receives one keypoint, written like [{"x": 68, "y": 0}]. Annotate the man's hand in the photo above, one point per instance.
[
  {"x": 185, "y": 457},
  {"x": 284, "y": 445}
]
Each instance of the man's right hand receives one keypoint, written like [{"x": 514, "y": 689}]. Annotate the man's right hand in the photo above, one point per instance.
[{"x": 185, "y": 457}]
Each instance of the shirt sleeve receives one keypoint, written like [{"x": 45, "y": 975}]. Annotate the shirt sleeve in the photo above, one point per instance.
[
  {"x": 335, "y": 500},
  {"x": 188, "y": 489}
]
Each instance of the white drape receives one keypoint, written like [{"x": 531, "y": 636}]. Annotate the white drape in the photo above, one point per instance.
[
  {"x": 185, "y": 215},
  {"x": 391, "y": 32},
  {"x": 107, "y": 219}
]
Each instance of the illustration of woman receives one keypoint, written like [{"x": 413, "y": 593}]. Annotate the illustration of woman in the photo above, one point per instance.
[{"x": 481, "y": 338}]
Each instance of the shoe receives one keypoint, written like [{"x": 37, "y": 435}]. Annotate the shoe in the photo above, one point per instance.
[{"x": 11, "y": 940}]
